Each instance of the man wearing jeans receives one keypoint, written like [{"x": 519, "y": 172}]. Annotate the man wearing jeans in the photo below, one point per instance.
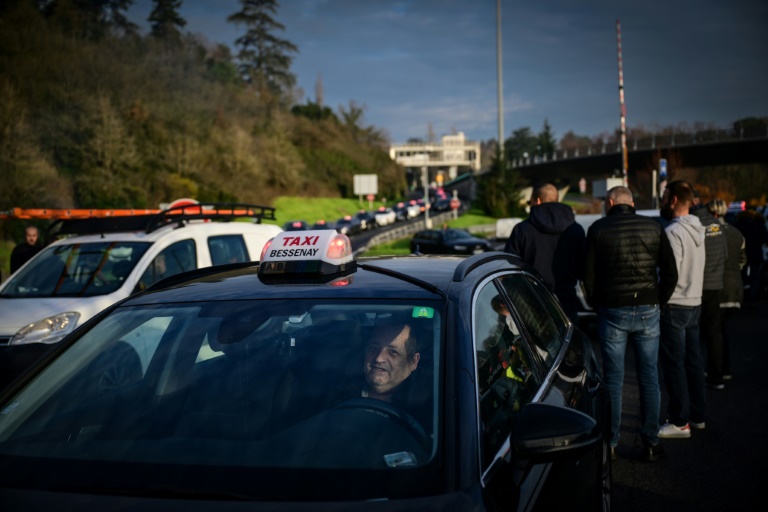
[
  {"x": 630, "y": 271},
  {"x": 680, "y": 355}
]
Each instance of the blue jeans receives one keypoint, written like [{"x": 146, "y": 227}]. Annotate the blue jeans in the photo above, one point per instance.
[
  {"x": 682, "y": 364},
  {"x": 615, "y": 326}
]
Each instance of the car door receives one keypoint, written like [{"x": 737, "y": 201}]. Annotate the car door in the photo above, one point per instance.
[
  {"x": 507, "y": 379},
  {"x": 565, "y": 354}
]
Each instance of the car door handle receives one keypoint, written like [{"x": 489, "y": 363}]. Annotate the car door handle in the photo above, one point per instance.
[{"x": 596, "y": 389}]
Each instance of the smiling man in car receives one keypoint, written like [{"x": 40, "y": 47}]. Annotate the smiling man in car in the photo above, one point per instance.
[{"x": 389, "y": 360}]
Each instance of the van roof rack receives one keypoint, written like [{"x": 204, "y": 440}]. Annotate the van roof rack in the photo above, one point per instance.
[{"x": 101, "y": 221}]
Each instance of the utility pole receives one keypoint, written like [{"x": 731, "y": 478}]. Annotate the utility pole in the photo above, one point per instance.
[
  {"x": 625, "y": 159},
  {"x": 499, "y": 86}
]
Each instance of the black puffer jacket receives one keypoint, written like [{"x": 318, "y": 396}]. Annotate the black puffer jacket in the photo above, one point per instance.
[{"x": 624, "y": 251}]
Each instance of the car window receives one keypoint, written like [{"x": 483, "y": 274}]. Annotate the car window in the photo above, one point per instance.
[
  {"x": 176, "y": 258},
  {"x": 558, "y": 317},
  {"x": 505, "y": 380},
  {"x": 79, "y": 270},
  {"x": 227, "y": 249},
  {"x": 270, "y": 383},
  {"x": 535, "y": 317}
]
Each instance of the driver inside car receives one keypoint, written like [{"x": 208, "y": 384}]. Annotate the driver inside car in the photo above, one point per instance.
[
  {"x": 390, "y": 358},
  {"x": 392, "y": 373}
]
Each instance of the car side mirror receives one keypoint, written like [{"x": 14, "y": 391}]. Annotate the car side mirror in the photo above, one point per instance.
[{"x": 546, "y": 433}]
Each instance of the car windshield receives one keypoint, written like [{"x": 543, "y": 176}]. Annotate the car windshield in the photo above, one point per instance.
[
  {"x": 456, "y": 234},
  {"x": 242, "y": 385},
  {"x": 76, "y": 270}
]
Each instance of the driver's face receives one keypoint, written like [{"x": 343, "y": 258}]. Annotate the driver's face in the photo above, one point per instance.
[{"x": 386, "y": 361}]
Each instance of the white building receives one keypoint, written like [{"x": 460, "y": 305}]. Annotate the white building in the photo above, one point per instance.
[{"x": 442, "y": 160}]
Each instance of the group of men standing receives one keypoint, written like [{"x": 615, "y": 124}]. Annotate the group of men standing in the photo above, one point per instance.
[{"x": 658, "y": 282}]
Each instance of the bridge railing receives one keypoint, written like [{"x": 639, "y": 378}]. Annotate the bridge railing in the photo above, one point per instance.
[{"x": 654, "y": 141}]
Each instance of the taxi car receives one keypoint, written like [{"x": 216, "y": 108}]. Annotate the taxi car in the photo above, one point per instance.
[
  {"x": 101, "y": 260},
  {"x": 313, "y": 381}
]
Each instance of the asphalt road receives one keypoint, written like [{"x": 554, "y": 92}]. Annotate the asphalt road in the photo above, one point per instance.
[{"x": 721, "y": 468}]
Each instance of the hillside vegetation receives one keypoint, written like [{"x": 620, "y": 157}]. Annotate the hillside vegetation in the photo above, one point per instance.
[{"x": 122, "y": 120}]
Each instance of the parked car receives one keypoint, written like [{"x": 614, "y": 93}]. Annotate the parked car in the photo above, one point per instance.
[
  {"x": 108, "y": 259},
  {"x": 367, "y": 220},
  {"x": 321, "y": 224},
  {"x": 385, "y": 216},
  {"x": 448, "y": 241},
  {"x": 414, "y": 209},
  {"x": 295, "y": 225},
  {"x": 265, "y": 386},
  {"x": 401, "y": 212},
  {"x": 348, "y": 225}
]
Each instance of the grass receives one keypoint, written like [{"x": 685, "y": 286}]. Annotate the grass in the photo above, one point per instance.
[
  {"x": 313, "y": 209},
  {"x": 395, "y": 248}
]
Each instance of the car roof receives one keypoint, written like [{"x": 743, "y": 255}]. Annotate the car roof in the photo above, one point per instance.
[
  {"x": 206, "y": 228},
  {"x": 403, "y": 277}
]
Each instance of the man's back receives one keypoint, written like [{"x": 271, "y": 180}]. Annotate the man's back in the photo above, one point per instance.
[
  {"x": 686, "y": 235},
  {"x": 551, "y": 242},
  {"x": 715, "y": 246},
  {"x": 624, "y": 251}
]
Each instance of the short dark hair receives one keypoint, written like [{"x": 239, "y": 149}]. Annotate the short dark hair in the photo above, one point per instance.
[{"x": 682, "y": 190}]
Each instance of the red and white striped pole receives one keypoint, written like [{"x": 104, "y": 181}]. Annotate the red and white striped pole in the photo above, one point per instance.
[{"x": 625, "y": 159}]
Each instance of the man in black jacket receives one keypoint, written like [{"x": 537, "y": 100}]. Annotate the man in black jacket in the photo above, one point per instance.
[
  {"x": 630, "y": 271},
  {"x": 710, "y": 325},
  {"x": 552, "y": 242}
]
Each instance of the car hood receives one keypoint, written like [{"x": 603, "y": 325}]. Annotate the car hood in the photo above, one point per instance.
[{"x": 16, "y": 313}]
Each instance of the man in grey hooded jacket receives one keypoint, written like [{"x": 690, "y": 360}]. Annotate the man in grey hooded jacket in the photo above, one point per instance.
[{"x": 680, "y": 353}]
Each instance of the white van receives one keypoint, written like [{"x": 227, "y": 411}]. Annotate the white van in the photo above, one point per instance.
[{"x": 109, "y": 258}]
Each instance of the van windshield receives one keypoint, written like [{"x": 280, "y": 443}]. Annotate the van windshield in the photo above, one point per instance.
[{"x": 76, "y": 270}]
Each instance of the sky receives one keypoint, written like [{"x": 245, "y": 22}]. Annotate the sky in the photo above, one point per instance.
[{"x": 416, "y": 63}]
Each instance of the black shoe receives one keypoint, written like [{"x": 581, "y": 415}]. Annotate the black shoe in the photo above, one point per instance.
[{"x": 653, "y": 452}]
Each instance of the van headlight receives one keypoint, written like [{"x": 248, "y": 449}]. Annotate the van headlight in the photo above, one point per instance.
[{"x": 48, "y": 330}]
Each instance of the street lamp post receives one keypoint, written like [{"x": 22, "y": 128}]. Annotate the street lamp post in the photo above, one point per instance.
[{"x": 425, "y": 184}]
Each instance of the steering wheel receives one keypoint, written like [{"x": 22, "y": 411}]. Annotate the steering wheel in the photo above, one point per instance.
[{"x": 395, "y": 413}]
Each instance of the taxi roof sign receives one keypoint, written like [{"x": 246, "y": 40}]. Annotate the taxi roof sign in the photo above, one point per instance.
[{"x": 316, "y": 252}]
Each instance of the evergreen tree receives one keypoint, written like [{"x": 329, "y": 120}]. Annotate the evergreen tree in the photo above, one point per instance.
[
  {"x": 264, "y": 57},
  {"x": 165, "y": 19},
  {"x": 546, "y": 143},
  {"x": 92, "y": 19},
  {"x": 521, "y": 143},
  {"x": 498, "y": 192}
]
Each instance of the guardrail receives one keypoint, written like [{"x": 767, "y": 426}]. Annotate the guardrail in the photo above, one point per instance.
[{"x": 402, "y": 231}]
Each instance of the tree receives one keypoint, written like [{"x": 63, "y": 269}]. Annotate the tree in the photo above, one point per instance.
[
  {"x": 521, "y": 143},
  {"x": 546, "y": 143},
  {"x": 165, "y": 20},
  {"x": 497, "y": 190},
  {"x": 572, "y": 141},
  {"x": 92, "y": 19},
  {"x": 263, "y": 57}
]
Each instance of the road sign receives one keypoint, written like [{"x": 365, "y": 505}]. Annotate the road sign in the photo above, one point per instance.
[
  {"x": 370, "y": 197},
  {"x": 662, "y": 167},
  {"x": 455, "y": 203}
]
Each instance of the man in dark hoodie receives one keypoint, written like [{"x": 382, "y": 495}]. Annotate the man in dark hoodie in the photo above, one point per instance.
[{"x": 552, "y": 242}]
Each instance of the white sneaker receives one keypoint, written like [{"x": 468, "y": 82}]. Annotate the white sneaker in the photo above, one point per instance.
[
  {"x": 697, "y": 426},
  {"x": 671, "y": 431}
]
